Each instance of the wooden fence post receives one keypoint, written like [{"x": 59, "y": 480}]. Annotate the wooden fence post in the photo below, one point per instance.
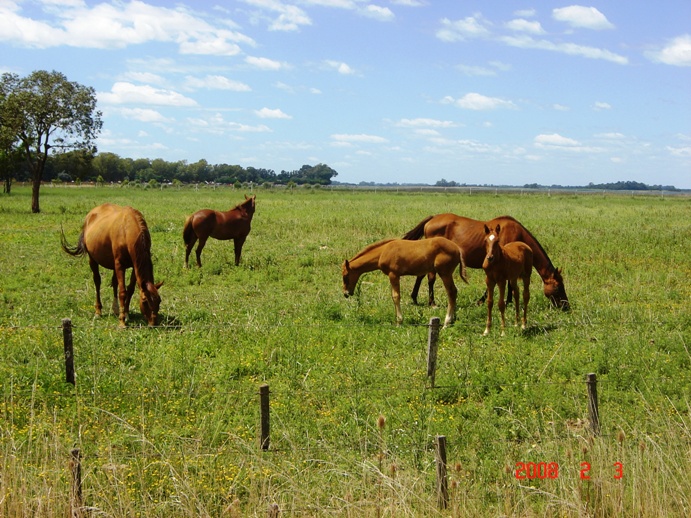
[
  {"x": 264, "y": 418},
  {"x": 76, "y": 484},
  {"x": 69, "y": 350},
  {"x": 442, "y": 481},
  {"x": 432, "y": 347},
  {"x": 593, "y": 410}
]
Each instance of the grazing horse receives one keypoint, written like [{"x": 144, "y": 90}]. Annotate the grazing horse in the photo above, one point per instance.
[
  {"x": 233, "y": 224},
  {"x": 470, "y": 236},
  {"x": 397, "y": 257},
  {"x": 117, "y": 238},
  {"x": 504, "y": 263}
]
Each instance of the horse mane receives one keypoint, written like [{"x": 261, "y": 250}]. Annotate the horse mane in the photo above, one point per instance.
[
  {"x": 143, "y": 248},
  {"x": 371, "y": 247},
  {"x": 542, "y": 250}
]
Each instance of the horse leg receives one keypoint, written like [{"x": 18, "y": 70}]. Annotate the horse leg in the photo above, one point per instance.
[
  {"x": 97, "y": 283},
  {"x": 451, "y": 294},
  {"x": 129, "y": 293},
  {"x": 502, "y": 305},
  {"x": 122, "y": 291},
  {"x": 188, "y": 248},
  {"x": 198, "y": 252},
  {"x": 115, "y": 307},
  {"x": 526, "y": 298},
  {"x": 239, "y": 241},
  {"x": 490, "y": 303},
  {"x": 396, "y": 296},
  {"x": 513, "y": 288},
  {"x": 431, "y": 277},
  {"x": 416, "y": 289}
]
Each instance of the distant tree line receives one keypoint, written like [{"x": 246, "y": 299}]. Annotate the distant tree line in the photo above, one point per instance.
[
  {"x": 80, "y": 166},
  {"x": 617, "y": 186}
]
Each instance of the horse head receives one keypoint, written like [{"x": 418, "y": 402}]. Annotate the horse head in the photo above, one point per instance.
[
  {"x": 350, "y": 279},
  {"x": 249, "y": 204},
  {"x": 492, "y": 249},
  {"x": 150, "y": 301},
  {"x": 555, "y": 292}
]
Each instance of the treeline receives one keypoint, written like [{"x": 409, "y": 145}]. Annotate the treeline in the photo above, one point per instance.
[
  {"x": 77, "y": 166},
  {"x": 616, "y": 186}
]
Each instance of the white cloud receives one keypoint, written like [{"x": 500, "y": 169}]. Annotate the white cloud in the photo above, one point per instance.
[
  {"x": 144, "y": 77},
  {"x": 144, "y": 115},
  {"x": 555, "y": 140},
  {"x": 522, "y": 25},
  {"x": 128, "y": 93},
  {"x": 475, "y": 101},
  {"x": 582, "y": 17},
  {"x": 265, "y": 63},
  {"x": 268, "y": 113},
  {"x": 527, "y": 42},
  {"x": 215, "y": 82},
  {"x": 290, "y": 17},
  {"x": 677, "y": 52},
  {"x": 340, "y": 67},
  {"x": 599, "y": 106},
  {"x": 459, "y": 30},
  {"x": 358, "y": 138},
  {"x": 383, "y": 14},
  {"x": 560, "y": 107},
  {"x": 422, "y": 122}
]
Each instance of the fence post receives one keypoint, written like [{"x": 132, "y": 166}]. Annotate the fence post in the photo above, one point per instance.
[
  {"x": 593, "y": 410},
  {"x": 432, "y": 347},
  {"x": 76, "y": 487},
  {"x": 264, "y": 419},
  {"x": 442, "y": 481},
  {"x": 69, "y": 350}
]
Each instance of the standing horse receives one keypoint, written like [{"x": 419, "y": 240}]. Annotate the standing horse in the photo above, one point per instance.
[
  {"x": 397, "y": 257},
  {"x": 233, "y": 224},
  {"x": 504, "y": 263},
  {"x": 470, "y": 236},
  {"x": 117, "y": 238}
]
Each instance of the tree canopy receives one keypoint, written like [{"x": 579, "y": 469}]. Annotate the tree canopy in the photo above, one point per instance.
[{"x": 44, "y": 114}]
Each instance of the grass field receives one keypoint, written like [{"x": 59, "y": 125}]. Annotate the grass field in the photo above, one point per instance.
[{"x": 167, "y": 419}]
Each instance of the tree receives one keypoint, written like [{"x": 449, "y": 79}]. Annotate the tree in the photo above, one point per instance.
[{"x": 46, "y": 113}]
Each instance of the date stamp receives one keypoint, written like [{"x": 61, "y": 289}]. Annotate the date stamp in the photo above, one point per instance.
[{"x": 550, "y": 470}]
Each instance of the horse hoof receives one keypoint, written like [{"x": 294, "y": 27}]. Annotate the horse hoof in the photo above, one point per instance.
[{"x": 486, "y": 333}]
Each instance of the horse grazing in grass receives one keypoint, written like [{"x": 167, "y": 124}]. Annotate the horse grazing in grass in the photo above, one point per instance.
[
  {"x": 117, "y": 238},
  {"x": 233, "y": 224},
  {"x": 397, "y": 257},
  {"x": 503, "y": 263},
  {"x": 469, "y": 234}
]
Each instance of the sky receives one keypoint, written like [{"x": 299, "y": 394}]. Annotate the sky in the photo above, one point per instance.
[{"x": 390, "y": 91}]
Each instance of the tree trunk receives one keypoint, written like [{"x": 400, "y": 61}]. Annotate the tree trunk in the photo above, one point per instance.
[
  {"x": 7, "y": 187},
  {"x": 36, "y": 185}
]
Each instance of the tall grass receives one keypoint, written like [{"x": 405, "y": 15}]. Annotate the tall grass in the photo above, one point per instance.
[{"x": 167, "y": 418}]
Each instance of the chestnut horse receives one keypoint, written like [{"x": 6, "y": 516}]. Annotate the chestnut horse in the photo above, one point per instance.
[
  {"x": 397, "y": 257},
  {"x": 117, "y": 238},
  {"x": 503, "y": 263},
  {"x": 469, "y": 234},
  {"x": 233, "y": 224}
]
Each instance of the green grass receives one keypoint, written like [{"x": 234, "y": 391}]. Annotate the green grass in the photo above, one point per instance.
[{"x": 167, "y": 419}]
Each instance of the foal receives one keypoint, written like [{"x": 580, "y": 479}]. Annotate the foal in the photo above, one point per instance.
[{"x": 510, "y": 262}]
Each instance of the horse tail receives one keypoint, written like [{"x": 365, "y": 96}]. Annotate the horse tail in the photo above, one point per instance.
[
  {"x": 188, "y": 231},
  {"x": 461, "y": 267},
  {"x": 78, "y": 250},
  {"x": 419, "y": 231}
]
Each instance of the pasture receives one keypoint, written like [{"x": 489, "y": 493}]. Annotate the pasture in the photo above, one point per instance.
[{"x": 167, "y": 418}]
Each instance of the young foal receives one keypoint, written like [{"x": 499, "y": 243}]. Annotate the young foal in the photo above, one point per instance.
[
  {"x": 397, "y": 257},
  {"x": 510, "y": 262}
]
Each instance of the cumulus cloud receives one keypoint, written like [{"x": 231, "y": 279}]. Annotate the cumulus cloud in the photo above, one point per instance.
[
  {"x": 144, "y": 115},
  {"x": 265, "y": 63},
  {"x": 383, "y": 14},
  {"x": 600, "y": 106},
  {"x": 677, "y": 52},
  {"x": 528, "y": 42},
  {"x": 268, "y": 113},
  {"x": 127, "y": 93},
  {"x": 582, "y": 17},
  {"x": 216, "y": 82},
  {"x": 424, "y": 123},
  {"x": 287, "y": 17},
  {"x": 360, "y": 138},
  {"x": 554, "y": 139},
  {"x": 522, "y": 25},
  {"x": 475, "y": 101},
  {"x": 339, "y": 66},
  {"x": 459, "y": 30}
]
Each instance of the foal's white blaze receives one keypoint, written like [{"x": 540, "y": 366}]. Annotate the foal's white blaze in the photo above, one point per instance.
[{"x": 491, "y": 237}]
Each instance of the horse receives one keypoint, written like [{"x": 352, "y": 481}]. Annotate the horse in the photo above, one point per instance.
[
  {"x": 117, "y": 238},
  {"x": 398, "y": 257},
  {"x": 503, "y": 263},
  {"x": 233, "y": 224},
  {"x": 470, "y": 236}
]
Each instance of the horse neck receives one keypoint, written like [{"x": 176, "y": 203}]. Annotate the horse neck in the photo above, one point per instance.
[
  {"x": 541, "y": 261},
  {"x": 366, "y": 261},
  {"x": 141, "y": 260}
]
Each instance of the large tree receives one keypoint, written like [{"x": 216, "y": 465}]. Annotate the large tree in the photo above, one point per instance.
[{"x": 46, "y": 114}]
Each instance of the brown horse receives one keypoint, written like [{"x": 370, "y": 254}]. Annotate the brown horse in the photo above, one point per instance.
[
  {"x": 469, "y": 234},
  {"x": 504, "y": 263},
  {"x": 233, "y": 224},
  {"x": 117, "y": 238},
  {"x": 397, "y": 257}
]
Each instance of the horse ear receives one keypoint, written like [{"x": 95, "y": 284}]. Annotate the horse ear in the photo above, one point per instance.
[
  {"x": 498, "y": 228},
  {"x": 158, "y": 285},
  {"x": 247, "y": 197},
  {"x": 347, "y": 264},
  {"x": 486, "y": 229}
]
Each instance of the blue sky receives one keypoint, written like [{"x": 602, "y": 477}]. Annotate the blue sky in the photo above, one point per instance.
[{"x": 402, "y": 91}]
